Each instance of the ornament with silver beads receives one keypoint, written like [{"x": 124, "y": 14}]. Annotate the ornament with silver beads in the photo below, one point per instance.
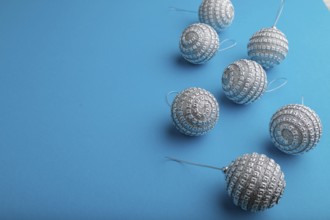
[
  {"x": 219, "y": 14},
  {"x": 244, "y": 81},
  {"x": 194, "y": 111},
  {"x": 295, "y": 129},
  {"x": 199, "y": 43},
  {"x": 269, "y": 46},
  {"x": 255, "y": 182}
]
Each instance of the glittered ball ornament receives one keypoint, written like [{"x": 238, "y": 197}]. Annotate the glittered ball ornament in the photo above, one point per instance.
[
  {"x": 268, "y": 47},
  {"x": 244, "y": 81},
  {"x": 194, "y": 111},
  {"x": 295, "y": 129},
  {"x": 255, "y": 182},
  {"x": 199, "y": 43},
  {"x": 217, "y": 13}
]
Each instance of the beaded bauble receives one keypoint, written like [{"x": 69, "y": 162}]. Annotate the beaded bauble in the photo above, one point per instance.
[
  {"x": 295, "y": 129},
  {"x": 195, "y": 111},
  {"x": 255, "y": 182},
  {"x": 268, "y": 47},
  {"x": 217, "y": 13},
  {"x": 244, "y": 81},
  {"x": 199, "y": 43}
]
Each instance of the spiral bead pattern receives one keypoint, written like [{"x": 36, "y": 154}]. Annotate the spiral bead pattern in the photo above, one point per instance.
[
  {"x": 295, "y": 129},
  {"x": 268, "y": 47},
  {"x": 195, "y": 111},
  {"x": 244, "y": 81},
  {"x": 217, "y": 13},
  {"x": 255, "y": 182},
  {"x": 199, "y": 43}
]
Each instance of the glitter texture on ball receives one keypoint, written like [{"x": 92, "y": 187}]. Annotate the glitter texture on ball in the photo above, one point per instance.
[
  {"x": 195, "y": 111},
  {"x": 199, "y": 43},
  {"x": 268, "y": 47},
  {"x": 244, "y": 81},
  {"x": 255, "y": 182},
  {"x": 295, "y": 129},
  {"x": 219, "y": 14}
]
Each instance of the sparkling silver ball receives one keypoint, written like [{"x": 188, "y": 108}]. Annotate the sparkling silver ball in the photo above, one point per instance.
[
  {"x": 244, "y": 81},
  {"x": 217, "y": 13},
  {"x": 268, "y": 47},
  {"x": 295, "y": 129},
  {"x": 195, "y": 111},
  {"x": 199, "y": 43},
  {"x": 255, "y": 182}
]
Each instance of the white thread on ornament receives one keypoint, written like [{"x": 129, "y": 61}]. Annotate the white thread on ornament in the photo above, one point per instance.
[
  {"x": 197, "y": 164},
  {"x": 168, "y": 95},
  {"x": 285, "y": 81},
  {"x": 181, "y": 10},
  {"x": 279, "y": 12},
  {"x": 233, "y": 44},
  {"x": 255, "y": 182},
  {"x": 302, "y": 100}
]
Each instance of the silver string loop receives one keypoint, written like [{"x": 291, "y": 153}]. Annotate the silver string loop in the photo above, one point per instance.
[
  {"x": 285, "y": 81},
  {"x": 279, "y": 12},
  {"x": 233, "y": 44},
  {"x": 167, "y": 97},
  {"x": 181, "y": 10},
  {"x": 223, "y": 169}
]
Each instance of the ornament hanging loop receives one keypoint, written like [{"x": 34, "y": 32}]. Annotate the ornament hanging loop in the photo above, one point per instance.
[
  {"x": 167, "y": 97},
  {"x": 223, "y": 169},
  {"x": 302, "y": 100},
  {"x": 233, "y": 44},
  {"x": 285, "y": 81},
  {"x": 181, "y": 10},
  {"x": 279, "y": 13}
]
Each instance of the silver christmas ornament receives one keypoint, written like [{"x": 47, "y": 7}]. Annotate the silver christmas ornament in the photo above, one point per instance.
[
  {"x": 255, "y": 182},
  {"x": 268, "y": 47},
  {"x": 244, "y": 81},
  {"x": 194, "y": 111},
  {"x": 199, "y": 43},
  {"x": 295, "y": 129},
  {"x": 217, "y": 13}
]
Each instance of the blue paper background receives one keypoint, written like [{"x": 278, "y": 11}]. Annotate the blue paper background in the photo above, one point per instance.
[{"x": 84, "y": 127}]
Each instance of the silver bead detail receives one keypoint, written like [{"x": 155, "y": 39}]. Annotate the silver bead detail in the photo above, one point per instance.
[
  {"x": 217, "y": 13},
  {"x": 255, "y": 182},
  {"x": 199, "y": 43},
  {"x": 195, "y": 111},
  {"x": 244, "y": 81},
  {"x": 295, "y": 129},
  {"x": 268, "y": 47}
]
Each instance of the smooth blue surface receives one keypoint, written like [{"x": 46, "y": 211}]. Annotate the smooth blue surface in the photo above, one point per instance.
[{"x": 84, "y": 127}]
